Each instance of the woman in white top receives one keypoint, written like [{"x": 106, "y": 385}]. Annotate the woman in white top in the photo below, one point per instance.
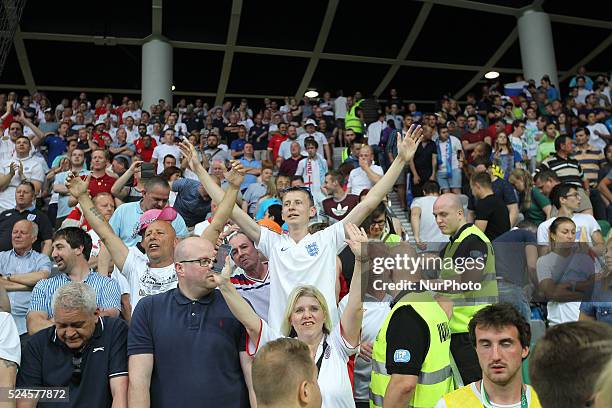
[
  {"x": 566, "y": 274},
  {"x": 307, "y": 318}
]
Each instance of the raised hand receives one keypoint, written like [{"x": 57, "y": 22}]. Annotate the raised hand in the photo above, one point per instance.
[
  {"x": 407, "y": 148},
  {"x": 236, "y": 174},
  {"x": 189, "y": 151},
  {"x": 136, "y": 165},
  {"x": 76, "y": 185},
  {"x": 357, "y": 237}
]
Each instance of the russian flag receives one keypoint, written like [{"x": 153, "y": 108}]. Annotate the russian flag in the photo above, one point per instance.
[{"x": 515, "y": 88}]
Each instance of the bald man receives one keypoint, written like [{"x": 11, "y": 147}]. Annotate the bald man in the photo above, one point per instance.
[
  {"x": 367, "y": 174},
  {"x": 472, "y": 273},
  {"x": 192, "y": 330}
]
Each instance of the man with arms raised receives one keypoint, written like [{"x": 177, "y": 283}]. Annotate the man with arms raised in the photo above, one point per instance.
[
  {"x": 299, "y": 257},
  {"x": 152, "y": 272}
]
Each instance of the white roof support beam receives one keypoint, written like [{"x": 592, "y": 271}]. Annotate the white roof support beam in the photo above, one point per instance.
[
  {"x": 328, "y": 19},
  {"x": 405, "y": 50},
  {"x": 501, "y": 50},
  {"x": 230, "y": 48},
  {"x": 24, "y": 62},
  {"x": 156, "y": 20}
]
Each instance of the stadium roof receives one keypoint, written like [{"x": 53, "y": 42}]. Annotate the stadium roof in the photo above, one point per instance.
[{"x": 228, "y": 49}]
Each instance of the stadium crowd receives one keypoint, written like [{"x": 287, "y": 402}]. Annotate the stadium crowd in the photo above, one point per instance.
[{"x": 171, "y": 255}]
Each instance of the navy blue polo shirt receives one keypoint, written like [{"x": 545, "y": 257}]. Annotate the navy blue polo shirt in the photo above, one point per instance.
[
  {"x": 195, "y": 345},
  {"x": 47, "y": 362}
]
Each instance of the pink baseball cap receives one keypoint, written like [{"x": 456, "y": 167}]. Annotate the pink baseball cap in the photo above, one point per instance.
[{"x": 150, "y": 216}]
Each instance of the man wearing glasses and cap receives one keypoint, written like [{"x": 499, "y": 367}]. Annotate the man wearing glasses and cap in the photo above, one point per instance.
[{"x": 82, "y": 352}]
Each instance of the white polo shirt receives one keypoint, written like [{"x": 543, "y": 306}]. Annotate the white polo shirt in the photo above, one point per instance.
[{"x": 312, "y": 261}]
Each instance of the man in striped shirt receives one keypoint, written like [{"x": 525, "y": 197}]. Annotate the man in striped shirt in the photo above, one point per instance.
[
  {"x": 71, "y": 249},
  {"x": 588, "y": 156},
  {"x": 568, "y": 171},
  {"x": 591, "y": 159}
]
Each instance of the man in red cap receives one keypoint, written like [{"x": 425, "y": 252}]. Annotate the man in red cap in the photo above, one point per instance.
[{"x": 151, "y": 272}]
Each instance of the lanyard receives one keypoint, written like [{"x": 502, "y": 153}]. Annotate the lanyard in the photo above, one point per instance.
[
  {"x": 320, "y": 360},
  {"x": 487, "y": 403}
]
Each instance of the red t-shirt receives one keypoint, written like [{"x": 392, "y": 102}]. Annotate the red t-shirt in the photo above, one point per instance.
[
  {"x": 144, "y": 153},
  {"x": 101, "y": 185},
  {"x": 98, "y": 139},
  {"x": 492, "y": 132},
  {"x": 274, "y": 144}
]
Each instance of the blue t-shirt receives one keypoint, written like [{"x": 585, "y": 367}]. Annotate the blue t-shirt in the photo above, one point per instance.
[
  {"x": 126, "y": 220},
  {"x": 599, "y": 306},
  {"x": 189, "y": 202},
  {"x": 510, "y": 257},
  {"x": 55, "y": 146},
  {"x": 196, "y": 346},
  {"x": 502, "y": 189},
  {"x": 249, "y": 178}
]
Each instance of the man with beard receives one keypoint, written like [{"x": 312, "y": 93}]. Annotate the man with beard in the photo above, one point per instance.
[{"x": 71, "y": 249}]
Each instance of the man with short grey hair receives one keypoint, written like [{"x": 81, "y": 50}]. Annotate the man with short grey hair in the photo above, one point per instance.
[
  {"x": 20, "y": 270},
  {"x": 82, "y": 351}
]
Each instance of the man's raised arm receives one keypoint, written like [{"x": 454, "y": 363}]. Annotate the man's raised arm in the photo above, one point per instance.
[
  {"x": 78, "y": 189},
  {"x": 224, "y": 210},
  {"x": 405, "y": 152},
  {"x": 246, "y": 223}
]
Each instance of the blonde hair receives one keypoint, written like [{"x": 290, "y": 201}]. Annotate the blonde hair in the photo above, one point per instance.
[
  {"x": 300, "y": 291},
  {"x": 603, "y": 388},
  {"x": 525, "y": 177}
]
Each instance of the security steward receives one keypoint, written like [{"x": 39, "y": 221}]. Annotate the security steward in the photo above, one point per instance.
[
  {"x": 468, "y": 263},
  {"x": 354, "y": 118},
  {"x": 411, "y": 353}
]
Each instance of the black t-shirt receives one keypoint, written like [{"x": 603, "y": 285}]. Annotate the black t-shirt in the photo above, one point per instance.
[
  {"x": 493, "y": 210},
  {"x": 407, "y": 342},
  {"x": 8, "y": 219},
  {"x": 422, "y": 159}
]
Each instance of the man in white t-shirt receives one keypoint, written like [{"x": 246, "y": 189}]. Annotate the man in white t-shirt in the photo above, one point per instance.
[
  {"x": 323, "y": 147},
  {"x": 301, "y": 258},
  {"x": 566, "y": 199},
  {"x": 10, "y": 351},
  {"x": 21, "y": 166},
  {"x": 427, "y": 235},
  {"x": 599, "y": 135},
  {"x": 165, "y": 149},
  {"x": 151, "y": 272},
  {"x": 364, "y": 176},
  {"x": 313, "y": 170}
]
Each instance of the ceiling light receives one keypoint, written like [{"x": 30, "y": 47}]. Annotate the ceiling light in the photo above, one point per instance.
[
  {"x": 173, "y": 87},
  {"x": 311, "y": 93},
  {"x": 491, "y": 74}
]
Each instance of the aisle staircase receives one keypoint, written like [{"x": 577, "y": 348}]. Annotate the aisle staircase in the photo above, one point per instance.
[{"x": 393, "y": 197}]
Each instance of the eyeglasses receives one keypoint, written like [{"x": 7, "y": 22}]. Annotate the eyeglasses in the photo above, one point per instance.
[
  {"x": 204, "y": 262},
  {"x": 77, "y": 359},
  {"x": 379, "y": 222}
]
